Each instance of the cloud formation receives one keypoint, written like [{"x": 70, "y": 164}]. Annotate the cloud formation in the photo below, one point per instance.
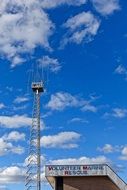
[
  {"x": 82, "y": 160},
  {"x": 77, "y": 120},
  {"x": 48, "y": 4},
  {"x": 51, "y": 63},
  {"x": 7, "y": 147},
  {"x": 108, "y": 148},
  {"x": 15, "y": 121},
  {"x": 24, "y": 26},
  {"x": 119, "y": 112},
  {"x": 62, "y": 100},
  {"x": 14, "y": 136},
  {"x": 20, "y": 99},
  {"x": 124, "y": 153},
  {"x": 61, "y": 140},
  {"x": 12, "y": 174},
  {"x": 121, "y": 70},
  {"x": 81, "y": 28},
  {"x": 90, "y": 108},
  {"x": 105, "y": 7}
]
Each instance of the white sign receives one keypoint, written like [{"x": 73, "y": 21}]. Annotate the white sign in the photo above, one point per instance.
[{"x": 74, "y": 170}]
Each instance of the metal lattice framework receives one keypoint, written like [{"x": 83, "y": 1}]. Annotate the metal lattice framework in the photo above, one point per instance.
[{"x": 33, "y": 174}]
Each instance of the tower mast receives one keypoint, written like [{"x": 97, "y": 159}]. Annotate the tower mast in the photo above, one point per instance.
[{"x": 33, "y": 174}]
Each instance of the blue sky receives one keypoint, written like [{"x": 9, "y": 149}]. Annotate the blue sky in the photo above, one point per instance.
[{"x": 81, "y": 47}]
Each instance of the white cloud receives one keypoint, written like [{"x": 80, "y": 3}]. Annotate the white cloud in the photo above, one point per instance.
[
  {"x": 82, "y": 28},
  {"x": 61, "y": 100},
  {"x": 121, "y": 70},
  {"x": 124, "y": 153},
  {"x": 17, "y": 108},
  {"x": 15, "y": 174},
  {"x": 17, "y": 60},
  {"x": 89, "y": 107},
  {"x": 61, "y": 140},
  {"x": 51, "y": 63},
  {"x": 15, "y": 121},
  {"x": 17, "y": 150},
  {"x": 82, "y": 160},
  {"x": 12, "y": 174},
  {"x": 77, "y": 120},
  {"x": 17, "y": 16},
  {"x": 108, "y": 148},
  {"x": 55, "y": 3},
  {"x": 42, "y": 124},
  {"x": 4, "y": 146},
  {"x": 20, "y": 99},
  {"x": 14, "y": 136},
  {"x": 2, "y": 106},
  {"x": 86, "y": 160},
  {"x": 105, "y": 7},
  {"x": 7, "y": 147},
  {"x": 119, "y": 112}
]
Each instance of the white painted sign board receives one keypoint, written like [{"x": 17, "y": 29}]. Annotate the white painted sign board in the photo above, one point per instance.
[{"x": 75, "y": 170}]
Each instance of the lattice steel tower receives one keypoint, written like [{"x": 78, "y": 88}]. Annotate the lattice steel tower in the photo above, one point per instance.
[{"x": 33, "y": 174}]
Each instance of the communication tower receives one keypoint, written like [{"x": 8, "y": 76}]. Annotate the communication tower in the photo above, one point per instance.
[{"x": 33, "y": 174}]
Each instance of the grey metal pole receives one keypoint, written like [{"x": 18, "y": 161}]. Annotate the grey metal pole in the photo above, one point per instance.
[{"x": 38, "y": 143}]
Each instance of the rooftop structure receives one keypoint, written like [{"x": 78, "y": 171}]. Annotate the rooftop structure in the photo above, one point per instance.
[{"x": 83, "y": 177}]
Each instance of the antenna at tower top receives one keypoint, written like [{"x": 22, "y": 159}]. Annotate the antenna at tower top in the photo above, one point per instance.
[{"x": 37, "y": 86}]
